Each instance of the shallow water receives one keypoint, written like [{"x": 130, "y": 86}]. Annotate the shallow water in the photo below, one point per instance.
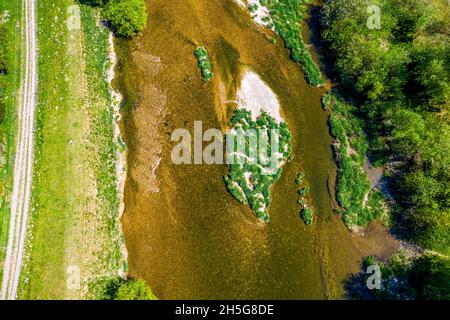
[{"x": 186, "y": 236}]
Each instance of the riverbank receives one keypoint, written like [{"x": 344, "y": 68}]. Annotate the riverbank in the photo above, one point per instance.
[
  {"x": 360, "y": 199},
  {"x": 120, "y": 148}
]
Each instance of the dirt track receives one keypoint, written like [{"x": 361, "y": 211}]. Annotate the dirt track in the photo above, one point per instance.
[{"x": 20, "y": 201}]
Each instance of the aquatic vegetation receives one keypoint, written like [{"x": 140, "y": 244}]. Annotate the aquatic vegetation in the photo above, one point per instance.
[
  {"x": 327, "y": 102},
  {"x": 307, "y": 216},
  {"x": 303, "y": 191},
  {"x": 253, "y": 7},
  {"x": 204, "y": 62},
  {"x": 300, "y": 178},
  {"x": 306, "y": 213},
  {"x": 250, "y": 179},
  {"x": 287, "y": 16}
]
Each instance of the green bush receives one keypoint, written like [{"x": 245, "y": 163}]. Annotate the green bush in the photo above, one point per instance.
[
  {"x": 126, "y": 17},
  {"x": 307, "y": 216},
  {"x": 204, "y": 62},
  {"x": 306, "y": 213},
  {"x": 370, "y": 261},
  {"x": 3, "y": 68},
  {"x": 303, "y": 191},
  {"x": 300, "y": 178},
  {"x": 134, "y": 290},
  {"x": 327, "y": 102},
  {"x": 117, "y": 288}
]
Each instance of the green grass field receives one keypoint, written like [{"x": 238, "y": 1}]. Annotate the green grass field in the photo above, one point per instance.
[
  {"x": 10, "y": 52},
  {"x": 74, "y": 204}
]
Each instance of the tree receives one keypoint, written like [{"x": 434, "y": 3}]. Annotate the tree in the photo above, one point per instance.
[
  {"x": 430, "y": 278},
  {"x": 134, "y": 290},
  {"x": 117, "y": 288},
  {"x": 126, "y": 17}
]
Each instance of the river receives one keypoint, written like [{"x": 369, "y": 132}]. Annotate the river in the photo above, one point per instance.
[{"x": 185, "y": 234}]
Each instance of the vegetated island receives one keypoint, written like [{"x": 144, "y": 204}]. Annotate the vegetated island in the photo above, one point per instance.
[
  {"x": 204, "y": 62},
  {"x": 306, "y": 212},
  {"x": 249, "y": 181},
  {"x": 285, "y": 18}
]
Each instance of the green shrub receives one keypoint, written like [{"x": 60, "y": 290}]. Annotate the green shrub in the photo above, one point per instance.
[
  {"x": 204, "y": 62},
  {"x": 307, "y": 216},
  {"x": 327, "y": 101},
  {"x": 370, "y": 261},
  {"x": 126, "y": 17},
  {"x": 117, "y": 288},
  {"x": 134, "y": 290},
  {"x": 3, "y": 87},
  {"x": 303, "y": 191},
  {"x": 306, "y": 213},
  {"x": 300, "y": 178},
  {"x": 3, "y": 68}
]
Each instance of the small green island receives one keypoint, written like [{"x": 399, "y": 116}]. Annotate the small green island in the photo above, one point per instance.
[
  {"x": 285, "y": 17},
  {"x": 306, "y": 213},
  {"x": 249, "y": 181},
  {"x": 204, "y": 62}
]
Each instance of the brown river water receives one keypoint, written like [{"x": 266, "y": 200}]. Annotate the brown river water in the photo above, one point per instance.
[{"x": 185, "y": 234}]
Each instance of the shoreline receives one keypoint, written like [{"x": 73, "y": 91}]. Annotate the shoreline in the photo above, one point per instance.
[{"x": 120, "y": 161}]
